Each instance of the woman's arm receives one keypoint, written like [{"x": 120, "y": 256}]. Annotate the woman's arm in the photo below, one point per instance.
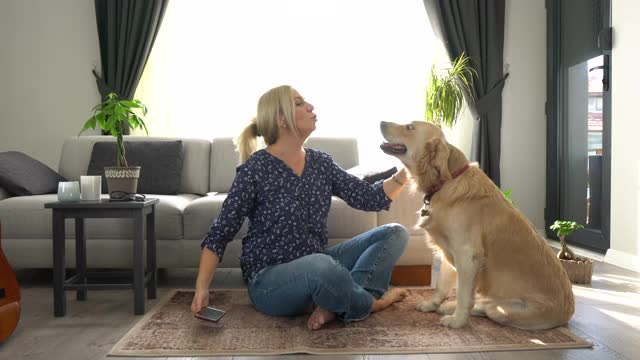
[
  {"x": 239, "y": 202},
  {"x": 208, "y": 264},
  {"x": 394, "y": 185}
]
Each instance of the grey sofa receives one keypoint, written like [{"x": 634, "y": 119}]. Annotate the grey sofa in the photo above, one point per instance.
[{"x": 181, "y": 220}]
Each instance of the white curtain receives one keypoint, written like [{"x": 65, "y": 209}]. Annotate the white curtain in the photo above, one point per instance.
[{"x": 358, "y": 62}]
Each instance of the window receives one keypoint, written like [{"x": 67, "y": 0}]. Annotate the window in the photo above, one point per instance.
[
  {"x": 595, "y": 103},
  {"x": 358, "y": 62},
  {"x": 592, "y": 104}
]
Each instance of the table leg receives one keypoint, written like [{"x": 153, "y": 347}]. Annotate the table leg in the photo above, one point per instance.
[
  {"x": 151, "y": 253},
  {"x": 138, "y": 264},
  {"x": 81, "y": 257},
  {"x": 59, "y": 301}
]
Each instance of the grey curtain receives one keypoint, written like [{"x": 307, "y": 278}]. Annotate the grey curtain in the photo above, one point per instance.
[
  {"x": 127, "y": 30},
  {"x": 476, "y": 27}
]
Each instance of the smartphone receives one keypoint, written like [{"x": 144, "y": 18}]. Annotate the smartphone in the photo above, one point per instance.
[{"x": 209, "y": 313}]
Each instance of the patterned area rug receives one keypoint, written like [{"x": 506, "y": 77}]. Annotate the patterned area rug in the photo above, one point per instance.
[{"x": 169, "y": 329}]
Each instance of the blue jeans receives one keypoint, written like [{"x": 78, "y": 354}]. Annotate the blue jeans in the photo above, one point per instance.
[{"x": 342, "y": 279}]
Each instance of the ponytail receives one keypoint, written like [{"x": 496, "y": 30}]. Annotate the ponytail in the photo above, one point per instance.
[{"x": 247, "y": 141}]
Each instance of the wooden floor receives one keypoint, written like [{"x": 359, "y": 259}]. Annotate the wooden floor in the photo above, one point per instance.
[{"x": 607, "y": 314}]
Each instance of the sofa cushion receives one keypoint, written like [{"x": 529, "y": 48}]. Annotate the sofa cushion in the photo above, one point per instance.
[
  {"x": 198, "y": 217},
  {"x": 168, "y": 221},
  {"x": 404, "y": 210},
  {"x": 160, "y": 162},
  {"x": 347, "y": 222},
  {"x": 371, "y": 175},
  {"x": 4, "y": 193},
  {"x": 23, "y": 175},
  {"x": 200, "y": 214},
  {"x": 225, "y": 159},
  {"x": 344, "y": 151},
  {"x": 343, "y": 221},
  {"x": 76, "y": 153},
  {"x": 25, "y": 217}
]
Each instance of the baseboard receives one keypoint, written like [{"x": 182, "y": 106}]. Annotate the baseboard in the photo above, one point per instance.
[
  {"x": 623, "y": 260},
  {"x": 411, "y": 275}
]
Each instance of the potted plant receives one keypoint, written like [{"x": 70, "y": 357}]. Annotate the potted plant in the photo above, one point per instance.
[
  {"x": 578, "y": 268},
  {"x": 446, "y": 91},
  {"x": 113, "y": 116}
]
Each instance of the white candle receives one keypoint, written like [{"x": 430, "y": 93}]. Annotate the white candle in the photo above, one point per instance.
[{"x": 90, "y": 187}]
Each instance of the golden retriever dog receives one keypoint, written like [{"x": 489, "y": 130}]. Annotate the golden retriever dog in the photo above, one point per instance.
[{"x": 505, "y": 270}]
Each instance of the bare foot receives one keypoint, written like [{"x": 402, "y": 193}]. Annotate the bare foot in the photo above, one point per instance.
[
  {"x": 392, "y": 296},
  {"x": 319, "y": 317}
]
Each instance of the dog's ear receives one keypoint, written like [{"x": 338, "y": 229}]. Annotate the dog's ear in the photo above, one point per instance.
[{"x": 432, "y": 164}]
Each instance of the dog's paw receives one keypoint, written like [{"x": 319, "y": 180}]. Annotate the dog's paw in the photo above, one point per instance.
[
  {"x": 426, "y": 306},
  {"x": 447, "y": 307},
  {"x": 454, "y": 321}
]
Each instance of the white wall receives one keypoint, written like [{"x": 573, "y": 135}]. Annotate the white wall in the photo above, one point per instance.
[
  {"x": 625, "y": 162},
  {"x": 47, "y": 90},
  {"x": 523, "y": 157}
]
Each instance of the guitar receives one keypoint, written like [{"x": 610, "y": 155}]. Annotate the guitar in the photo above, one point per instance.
[{"x": 9, "y": 297}]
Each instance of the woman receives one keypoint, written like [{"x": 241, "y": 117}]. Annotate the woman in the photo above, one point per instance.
[{"x": 285, "y": 190}]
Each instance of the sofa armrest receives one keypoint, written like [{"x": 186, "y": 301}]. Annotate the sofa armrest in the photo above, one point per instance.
[
  {"x": 4, "y": 194},
  {"x": 404, "y": 210},
  {"x": 418, "y": 256},
  {"x": 372, "y": 175}
]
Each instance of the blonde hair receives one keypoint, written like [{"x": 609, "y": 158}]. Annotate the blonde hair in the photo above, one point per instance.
[{"x": 275, "y": 109}]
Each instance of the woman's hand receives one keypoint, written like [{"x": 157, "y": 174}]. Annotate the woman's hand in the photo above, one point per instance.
[
  {"x": 402, "y": 176},
  {"x": 200, "y": 300},
  {"x": 393, "y": 185}
]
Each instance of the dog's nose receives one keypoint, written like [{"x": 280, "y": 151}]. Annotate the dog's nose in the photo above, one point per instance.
[{"x": 383, "y": 124}]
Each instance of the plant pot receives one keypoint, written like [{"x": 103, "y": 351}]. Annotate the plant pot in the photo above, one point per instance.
[
  {"x": 122, "y": 178},
  {"x": 579, "y": 272}
]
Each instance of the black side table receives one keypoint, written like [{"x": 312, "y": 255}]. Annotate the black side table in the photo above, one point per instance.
[{"x": 139, "y": 211}]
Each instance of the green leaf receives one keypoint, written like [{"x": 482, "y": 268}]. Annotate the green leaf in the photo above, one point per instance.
[
  {"x": 110, "y": 123},
  {"x": 133, "y": 121},
  {"x": 446, "y": 91},
  {"x": 565, "y": 227},
  {"x": 131, "y": 104},
  {"x": 89, "y": 124},
  {"x": 144, "y": 126},
  {"x": 101, "y": 117},
  {"x": 115, "y": 114}
]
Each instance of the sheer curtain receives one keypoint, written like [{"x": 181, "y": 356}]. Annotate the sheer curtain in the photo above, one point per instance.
[{"x": 358, "y": 62}]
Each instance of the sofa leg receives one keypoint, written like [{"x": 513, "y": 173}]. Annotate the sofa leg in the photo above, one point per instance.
[{"x": 411, "y": 275}]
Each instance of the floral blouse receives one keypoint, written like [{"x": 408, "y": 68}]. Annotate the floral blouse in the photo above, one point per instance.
[{"x": 287, "y": 213}]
